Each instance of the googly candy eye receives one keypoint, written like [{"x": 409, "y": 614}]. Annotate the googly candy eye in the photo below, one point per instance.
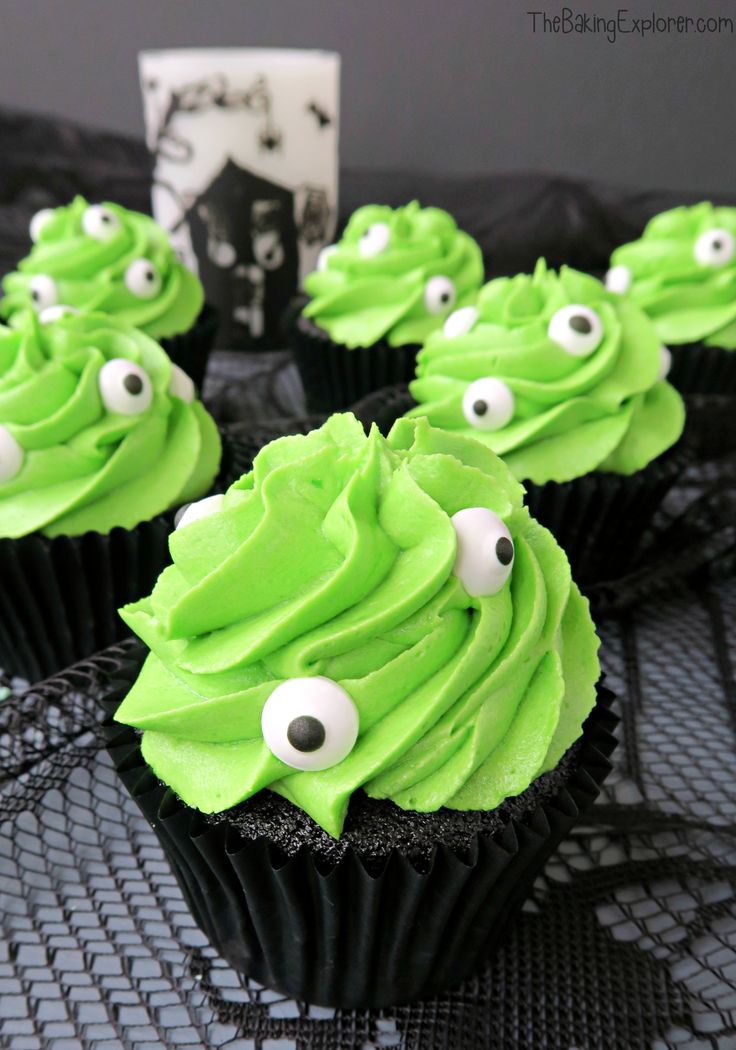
[
  {"x": 715, "y": 248},
  {"x": 618, "y": 280},
  {"x": 310, "y": 723},
  {"x": 577, "y": 329},
  {"x": 375, "y": 240},
  {"x": 125, "y": 387},
  {"x": 43, "y": 291},
  {"x": 485, "y": 551},
  {"x": 203, "y": 508},
  {"x": 39, "y": 220},
  {"x": 460, "y": 322},
  {"x": 55, "y": 313},
  {"x": 324, "y": 255},
  {"x": 100, "y": 222},
  {"x": 488, "y": 404},
  {"x": 142, "y": 279},
  {"x": 11, "y": 455},
  {"x": 439, "y": 295},
  {"x": 181, "y": 385}
]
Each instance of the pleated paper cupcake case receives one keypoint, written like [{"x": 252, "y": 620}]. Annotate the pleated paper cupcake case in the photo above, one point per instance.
[
  {"x": 700, "y": 369},
  {"x": 60, "y": 596},
  {"x": 335, "y": 377},
  {"x": 337, "y": 934},
  {"x": 600, "y": 520}
]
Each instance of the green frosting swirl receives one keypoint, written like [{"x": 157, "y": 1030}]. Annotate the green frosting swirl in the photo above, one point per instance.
[
  {"x": 90, "y": 273},
  {"x": 375, "y": 283},
  {"x": 83, "y": 466},
  {"x": 687, "y": 298},
  {"x": 335, "y": 557},
  {"x": 571, "y": 414}
]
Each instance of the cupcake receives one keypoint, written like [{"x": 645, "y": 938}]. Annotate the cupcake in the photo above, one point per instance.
[
  {"x": 565, "y": 381},
  {"x": 100, "y": 435},
  {"x": 368, "y": 712},
  {"x": 103, "y": 258},
  {"x": 682, "y": 273},
  {"x": 375, "y": 296}
]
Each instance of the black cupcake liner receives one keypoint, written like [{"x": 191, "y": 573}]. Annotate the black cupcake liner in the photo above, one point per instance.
[
  {"x": 700, "y": 369},
  {"x": 341, "y": 935},
  {"x": 60, "y": 596},
  {"x": 600, "y": 520},
  {"x": 706, "y": 378},
  {"x": 191, "y": 350},
  {"x": 335, "y": 377}
]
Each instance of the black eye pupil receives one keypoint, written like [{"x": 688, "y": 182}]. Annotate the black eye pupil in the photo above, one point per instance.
[
  {"x": 445, "y": 297},
  {"x": 35, "y": 295},
  {"x": 717, "y": 245},
  {"x": 104, "y": 218},
  {"x": 480, "y": 407},
  {"x": 133, "y": 383},
  {"x": 306, "y": 733},
  {"x": 581, "y": 324},
  {"x": 150, "y": 275},
  {"x": 504, "y": 550}
]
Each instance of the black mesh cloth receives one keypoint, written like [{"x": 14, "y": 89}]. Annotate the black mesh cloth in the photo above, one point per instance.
[{"x": 629, "y": 937}]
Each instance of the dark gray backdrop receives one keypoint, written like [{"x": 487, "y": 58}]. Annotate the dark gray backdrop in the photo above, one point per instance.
[{"x": 453, "y": 86}]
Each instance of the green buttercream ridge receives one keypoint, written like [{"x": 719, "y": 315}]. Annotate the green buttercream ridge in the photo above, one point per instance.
[
  {"x": 89, "y": 273},
  {"x": 86, "y": 468},
  {"x": 686, "y": 300},
  {"x": 335, "y": 557},
  {"x": 360, "y": 300},
  {"x": 572, "y": 415}
]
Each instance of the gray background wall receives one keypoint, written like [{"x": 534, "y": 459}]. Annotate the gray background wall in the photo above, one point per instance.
[{"x": 445, "y": 85}]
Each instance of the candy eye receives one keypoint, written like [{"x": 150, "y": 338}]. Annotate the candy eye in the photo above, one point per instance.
[
  {"x": 268, "y": 251},
  {"x": 324, "y": 255},
  {"x": 715, "y": 248},
  {"x": 618, "y": 280},
  {"x": 124, "y": 387},
  {"x": 39, "y": 220},
  {"x": 201, "y": 509},
  {"x": 460, "y": 322},
  {"x": 439, "y": 295},
  {"x": 55, "y": 313},
  {"x": 488, "y": 404},
  {"x": 577, "y": 329},
  {"x": 100, "y": 223},
  {"x": 665, "y": 362},
  {"x": 11, "y": 455},
  {"x": 142, "y": 279},
  {"x": 180, "y": 385},
  {"x": 485, "y": 551},
  {"x": 375, "y": 240},
  {"x": 43, "y": 291},
  {"x": 310, "y": 723}
]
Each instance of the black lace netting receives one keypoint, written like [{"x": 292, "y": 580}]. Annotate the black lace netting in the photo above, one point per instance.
[{"x": 629, "y": 938}]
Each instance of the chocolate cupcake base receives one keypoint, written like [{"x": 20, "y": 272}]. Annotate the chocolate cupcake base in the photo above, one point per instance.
[
  {"x": 335, "y": 377},
  {"x": 600, "y": 520},
  {"x": 60, "y": 596},
  {"x": 385, "y": 916}
]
